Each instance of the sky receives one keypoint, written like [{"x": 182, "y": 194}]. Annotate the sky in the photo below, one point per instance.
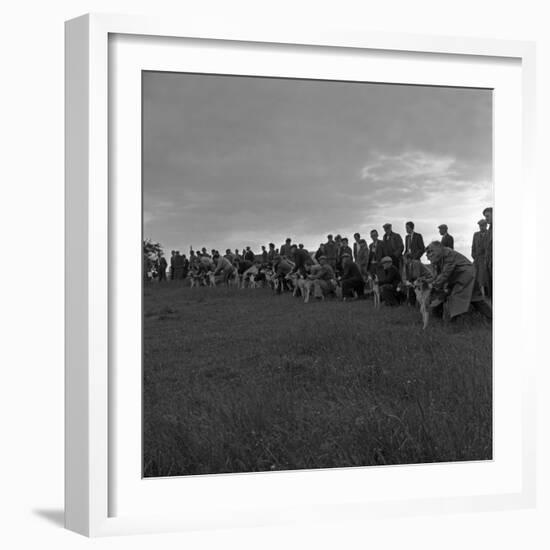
[{"x": 235, "y": 161}]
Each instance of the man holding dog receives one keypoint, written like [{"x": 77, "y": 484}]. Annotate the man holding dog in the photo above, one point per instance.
[
  {"x": 454, "y": 282},
  {"x": 323, "y": 279}
]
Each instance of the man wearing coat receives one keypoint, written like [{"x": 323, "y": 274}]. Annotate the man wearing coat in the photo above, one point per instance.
[
  {"x": 393, "y": 246},
  {"x": 446, "y": 239},
  {"x": 454, "y": 282},
  {"x": 323, "y": 279},
  {"x": 479, "y": 254},
  {"x": 352, "y": 280},
  {"x": 376, "y": 253},
  {"x": 414, "y": 247}
]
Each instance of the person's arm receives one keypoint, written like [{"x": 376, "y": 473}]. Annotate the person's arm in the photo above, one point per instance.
[{"x": 447, "y": 268}]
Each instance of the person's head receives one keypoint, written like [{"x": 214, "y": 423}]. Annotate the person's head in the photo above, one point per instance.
[
  {"x": 322, "y": 260},
  {"x": 288, "y": 240},
  {"x": 488, "y": 213},
  {"x": 263, "y": 247},
  {"x": 434, "y": 251},
  {"x": 345, "y": 241},
  {"x": 443, "y": 229},
  {"x": 329, "y": 237},
  {"x": 362, "y": 242},
  {"x": 293, "y": 248},
  {"x": 203, "y": 250},
  {"x": 173, "y": 252},
  {"x": 338, "y": 238},
  {"x": 374, "y": 235},
  {"x": 237, "y": 251},
  {"x": 409, "y": 227},
  {"x": 247, "y": 248},
  {"x": 357, "y": 237},
  {"x": 387, "y": 228},
  {"x": 482, "y": 225},
  {"x": 301, "y": 246},
  {"x": 386, "y": 262},
  {"x": 228, "y": 251},
  {"x": 177, "y": 252},
  {"x": 346, "y": 259},
  {"x": 215, "y": 254}
]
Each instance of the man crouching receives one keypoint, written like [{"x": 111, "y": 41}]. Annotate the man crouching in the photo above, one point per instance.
[
  {"x": 454, "y": 283},
  {"x": 323, "y": 279}
]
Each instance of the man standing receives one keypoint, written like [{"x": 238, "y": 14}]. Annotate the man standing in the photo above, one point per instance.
[
  {"x": 330, "y": 252},
  {"x": 285, "y": 248},
  {"x": 352, "y": 281},
  {"x": 388, "y": 279},
  {"x": 479, "y": 254},
  {"x": 249, "y": 256},
  {"x": 162, "y": 264},
  {"x": 264, "y": 255},
  {"x": 356, "y": 246},
  {"x": 323, "y": 279},
  {"x": 393, "y": 245},
  {"x": 376, "y": 253},
  {"x": 343, "y": 249},
  {"x": 271, "y": 254},
  {"x": 446, "y": 239},
  {"x": 414, "y": 247},
  {"x": 362, "y": 261},
  {"x": 173, "y": 265},
  {"x": 488, "y": 213}
]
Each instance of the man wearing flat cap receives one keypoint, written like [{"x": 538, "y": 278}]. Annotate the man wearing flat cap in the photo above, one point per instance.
[
  {"x": 393, "y": 246},
  {"x": 446, "y": 239},
  {"x": 330, "y": 250},
  {"x": 479, "y": 254},
  {"x": 352, "y": 280}
]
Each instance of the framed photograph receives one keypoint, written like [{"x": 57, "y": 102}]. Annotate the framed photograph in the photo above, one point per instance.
[{"x": 285, "y": 295}]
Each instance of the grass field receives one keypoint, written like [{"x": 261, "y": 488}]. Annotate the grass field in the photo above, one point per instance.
[{"x": 244, "y": 380}]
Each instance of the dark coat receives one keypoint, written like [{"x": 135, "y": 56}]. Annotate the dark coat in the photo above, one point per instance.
[
  {"x": 351, "y": 272},
  {"x": 448, "y": 241},
  {"x": 393, "y": 244},
  {"x": 376, "y": 252},
  {"x": 414, "y": 248}
]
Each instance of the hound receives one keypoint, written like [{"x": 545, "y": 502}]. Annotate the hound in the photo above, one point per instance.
[
  {"x": 375, "y": 290},
  {"x": 211, "y": 279},
  {"x": 196, "y": 277},
  {"x": 302, "y": 286},
  {"x": 423, "y": 290}
]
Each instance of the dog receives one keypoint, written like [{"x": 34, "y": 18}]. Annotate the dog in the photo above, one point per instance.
[
  {"x": 423, "y": 291},
  {"x": 302, "y": 286},
  {"x": 375, "y": 285},
  {"x": 211, "y": 277},
  {"x": 196, "y": 278}
]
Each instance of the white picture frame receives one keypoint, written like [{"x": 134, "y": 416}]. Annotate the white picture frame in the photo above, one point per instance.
[{"x": 91, "y": 216}]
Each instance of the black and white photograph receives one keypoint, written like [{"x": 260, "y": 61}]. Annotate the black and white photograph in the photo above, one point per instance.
[{"x": 317, "y": 274}]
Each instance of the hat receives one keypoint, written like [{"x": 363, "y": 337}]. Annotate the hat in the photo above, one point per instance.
[
  {"x": 386, "y": 225},
  {"x": 443, "y": 226},
  {"x": 385, "y": 260},
  {"x": 346, "y": 255},
  {"x": 483, "y": 221},
  {"x": 322, "y": 257}
]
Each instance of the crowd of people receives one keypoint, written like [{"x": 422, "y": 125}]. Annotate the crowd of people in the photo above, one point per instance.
[{"x": 389, "y": 261}]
